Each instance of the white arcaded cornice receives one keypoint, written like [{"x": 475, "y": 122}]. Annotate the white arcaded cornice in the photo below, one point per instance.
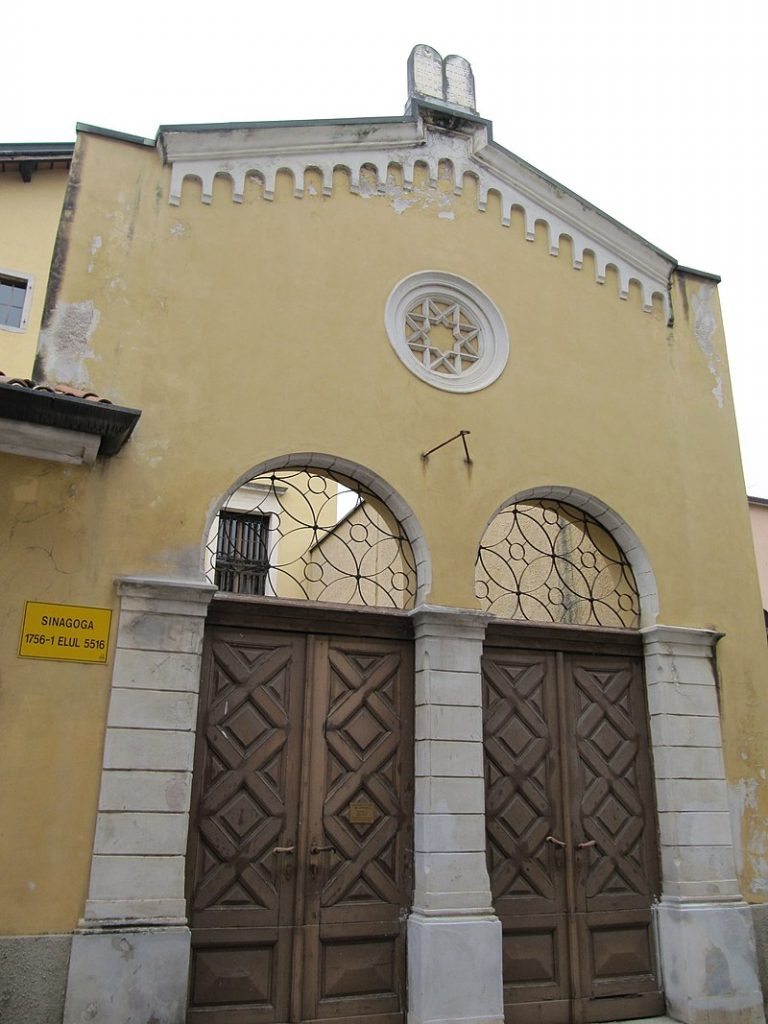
[{"x": 240, "y": 151}]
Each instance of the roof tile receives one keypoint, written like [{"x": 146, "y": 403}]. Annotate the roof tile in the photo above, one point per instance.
[{"x": 56, "y": 389}]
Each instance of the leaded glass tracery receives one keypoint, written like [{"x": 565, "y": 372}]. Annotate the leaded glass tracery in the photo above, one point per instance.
[
  {"x": 547, "y": 561},
  {"x": 326, "y": 537}
]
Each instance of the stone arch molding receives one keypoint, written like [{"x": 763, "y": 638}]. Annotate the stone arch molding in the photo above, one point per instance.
[
  {"x": 622, "y": 533},
  {"x": 366, "y": 152},
  {"x": 355, "y": 471}
]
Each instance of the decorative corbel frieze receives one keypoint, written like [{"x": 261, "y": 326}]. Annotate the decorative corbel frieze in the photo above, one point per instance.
[{"x": 365, "y": 150}]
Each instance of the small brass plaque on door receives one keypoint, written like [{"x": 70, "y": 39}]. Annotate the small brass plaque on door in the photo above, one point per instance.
[{"x": 361, "y": 812}]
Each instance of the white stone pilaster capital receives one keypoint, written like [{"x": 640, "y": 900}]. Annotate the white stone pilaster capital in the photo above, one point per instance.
[
  {"x": 680, "y": 641},
  {"x": 442, "y": 620},
  {"x": 165, "y": 594}
]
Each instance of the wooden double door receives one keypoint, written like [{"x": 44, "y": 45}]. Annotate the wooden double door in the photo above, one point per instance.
[
  {"x": 571, "y": 827},
  {"x": 299, "y": 865}
]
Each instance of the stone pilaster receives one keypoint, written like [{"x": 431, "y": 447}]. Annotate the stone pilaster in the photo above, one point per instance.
[
  {"x": 454, "y": 939},
  {"x": 134, "y": 931},
  {"x": 707, "y": 941}
]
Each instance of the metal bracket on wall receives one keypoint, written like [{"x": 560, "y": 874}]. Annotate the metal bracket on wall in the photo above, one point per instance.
[{"x": 461, "y": 434}]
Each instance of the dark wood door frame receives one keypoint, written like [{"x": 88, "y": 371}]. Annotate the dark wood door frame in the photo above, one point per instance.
[
  {"x": 571, "y": 822},
  {"x": 325, "y": 755}
]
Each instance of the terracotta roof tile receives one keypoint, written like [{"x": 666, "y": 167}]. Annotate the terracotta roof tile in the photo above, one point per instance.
[{"x": 55, "y": 389}]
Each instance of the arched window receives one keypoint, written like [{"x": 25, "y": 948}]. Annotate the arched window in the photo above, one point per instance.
[
  {"x": 548, "y": 561},
  {"x": 313, "y": 534}
]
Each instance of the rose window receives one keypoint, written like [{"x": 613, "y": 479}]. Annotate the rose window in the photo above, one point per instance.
[{"x": 447, "y": 331}]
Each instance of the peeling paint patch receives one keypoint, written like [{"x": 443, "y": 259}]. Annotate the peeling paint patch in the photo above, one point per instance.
[
  {"x": 742, "y": 797},
  {"x": 93, "y": 249},
  {"x": 704, "y": 327},
  {"x": 748, "y": 788},
  {"x": 752, "y": 856},
  {"x": 64, "y": 347},
  {"x": 152, "y": 452},
  {"x": 757, "y": 851},
  {"x": 421, "y": 197},
  {"x": 737, "y": 810}
]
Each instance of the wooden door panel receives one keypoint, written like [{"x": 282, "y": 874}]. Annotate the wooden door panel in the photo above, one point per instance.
[
  {"x": 618, "y": 954},
  {"x": 613, "y": 794},
  {"x": 522, "y": 782},
  {"x": 244, "y": 804},
  {"x": 361, "y": 805},
  {"x": 533, "y": 954},
  {"x": 613, "y": 808},
  {"x": 567, "y": 755},
  {"x": 359, "y": 972},
  {"x": 303, "y": 742},
  {"x": 235, "y": 978},
  {"x": 523, "y": 809}
]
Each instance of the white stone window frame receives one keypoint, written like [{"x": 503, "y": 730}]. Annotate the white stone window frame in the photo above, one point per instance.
[
  {"x": 19, "y": 277},
  {"x": 444, "y": 287}
]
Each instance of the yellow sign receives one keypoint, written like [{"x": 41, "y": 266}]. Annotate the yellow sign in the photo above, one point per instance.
[{"x": 64, "y": 632}]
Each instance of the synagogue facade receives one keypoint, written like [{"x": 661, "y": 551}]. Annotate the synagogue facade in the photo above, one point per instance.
[{"x": 382, "y": 632}]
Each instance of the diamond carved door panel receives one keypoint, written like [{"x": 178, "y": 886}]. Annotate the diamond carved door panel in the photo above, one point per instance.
[
  {"x": 523, "y": 815},
  {"x": 245, "y": 804},
  {"x": 612, "y": 806},
  {"x": 571, "y": 835},
  {"x": 299, "y": 870},
  {"x": 360, "y": 804}
]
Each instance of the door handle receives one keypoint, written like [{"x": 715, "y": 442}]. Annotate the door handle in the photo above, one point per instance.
[
  {"x": 586, "y": 845},
  {"x": 555, "y": 842},
  {"x": 285, "y": 851},
  {"x": 314, "y": 857}
]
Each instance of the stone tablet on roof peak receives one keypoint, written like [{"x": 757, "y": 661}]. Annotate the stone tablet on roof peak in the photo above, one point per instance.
[{"x": 448, "y": 80}]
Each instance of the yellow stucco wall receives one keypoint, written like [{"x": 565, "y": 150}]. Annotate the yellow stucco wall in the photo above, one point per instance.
[
  {"x": 29, "y": 219},
  {"x": 244, "y": 331}
]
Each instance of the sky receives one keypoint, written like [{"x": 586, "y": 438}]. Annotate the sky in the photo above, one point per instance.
[{"x": 654, "y": 112}]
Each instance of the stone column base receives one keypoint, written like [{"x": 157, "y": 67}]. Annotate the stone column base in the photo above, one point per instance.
[
  {"x": 128, "y": 974},
  {"x": 454, "y": 970},
  {"x": 709, "y": 963}
]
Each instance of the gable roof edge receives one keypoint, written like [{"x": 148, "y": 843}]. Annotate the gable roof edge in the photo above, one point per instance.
[{"x": 265, "y": 148}]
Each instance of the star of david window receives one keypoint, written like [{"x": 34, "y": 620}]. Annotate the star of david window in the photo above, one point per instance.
[
  {"x": 447, "y": 331},
  {"x": 443, "y": 336}
]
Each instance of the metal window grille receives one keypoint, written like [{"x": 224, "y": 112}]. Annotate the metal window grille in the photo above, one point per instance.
[
  {"x": 550, "y": 562},
  {"x": 325, "y": 537},
  {"x": 242, "y": 559}
]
